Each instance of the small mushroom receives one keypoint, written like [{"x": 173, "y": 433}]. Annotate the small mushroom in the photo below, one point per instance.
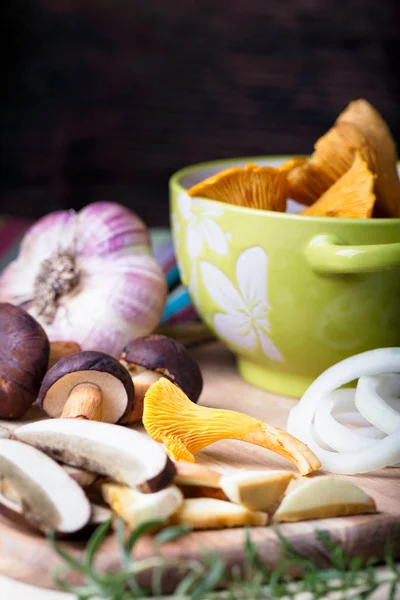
[
  {"x": 49, "y": 498},
  {"x": 87, "y": 385},
  {"x": 60, "y": 349},
  {"x": 136, "y": 508},
  {"x": 153, "y": 356},
  {"x": 185, "y": 428},
  {"x": 124, "y": 455},
  {"x": 24, "y": 355},
  {"x": 210, "y": 513}
]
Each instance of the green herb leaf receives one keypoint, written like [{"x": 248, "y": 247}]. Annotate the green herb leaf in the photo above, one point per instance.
[
  {"x": 95, "y": 541},
  {"x": 172, "y": 533}
]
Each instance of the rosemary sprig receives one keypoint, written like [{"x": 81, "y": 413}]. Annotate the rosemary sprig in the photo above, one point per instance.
[{"x": 210, "y": 579}]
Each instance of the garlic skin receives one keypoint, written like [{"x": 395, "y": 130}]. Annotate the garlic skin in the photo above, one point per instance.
[{"x": 88, "y": 277}]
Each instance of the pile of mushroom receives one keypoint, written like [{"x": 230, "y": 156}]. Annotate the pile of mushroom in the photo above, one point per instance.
[{"x": 80, "y": 466}]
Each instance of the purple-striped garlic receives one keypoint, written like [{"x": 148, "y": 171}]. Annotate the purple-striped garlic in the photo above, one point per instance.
[{"x": 88, "y": 277}]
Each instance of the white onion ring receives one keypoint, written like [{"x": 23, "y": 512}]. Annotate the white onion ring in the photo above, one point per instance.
[
  {"x": 372, "y": 400},
  {"x": 386, "y": 452},
  {"x": 334, "y": 434}
]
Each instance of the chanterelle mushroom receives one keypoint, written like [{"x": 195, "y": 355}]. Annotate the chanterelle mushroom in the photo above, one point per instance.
[
  {"x": 87, "y": 385},
  {"x": 185, "y": 428},
  {"x": 153, "y": 356},
  {"x": 49, "y": 498},
  {"x": 24, "y": 354}
]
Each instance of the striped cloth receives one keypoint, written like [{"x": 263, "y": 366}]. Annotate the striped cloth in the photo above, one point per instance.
[{"x": 178, "y": 308}]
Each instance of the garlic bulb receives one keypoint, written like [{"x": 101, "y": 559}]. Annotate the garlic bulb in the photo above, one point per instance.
[{"x": 88, "y": 277}]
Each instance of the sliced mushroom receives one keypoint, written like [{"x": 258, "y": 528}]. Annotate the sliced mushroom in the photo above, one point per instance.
[
  {"x": 324, "y": 497},
  {"x": 4, "y": 432},
  {"x": 100, "y": 514},
  {"x": 194, "y": 474},
  {"x": 83, "y": 478},
  {"x": 122, "y": 454},
  {"x": 256, "y": 490},
  {"x": 50, "y": 499},
  {"x": 136, "y": 508},
  {"x": 209, "y": 513},
  {"x": 87, "y": 385},
  {"x": 59, "y": 350},
  {"x": 153, "y": 356},
  {"x": 200, "y": 491},
  {"x": 24, "y": 354}
]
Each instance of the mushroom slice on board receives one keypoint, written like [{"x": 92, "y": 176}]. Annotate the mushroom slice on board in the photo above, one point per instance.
[
  {"x": 136, "y": 508},
  {"x": 122, "y": 454},
  {"x": 24, "y": 355},
  {"x": 210, "y": 513},
  {"x": 49, "y": 497},
  {"x": 324, "y": 497},
  {"x": 87, "y": 385},
  {"x": 256, "y": 490},
  {"x": 188, "y": 473},
  {"x": 153, "y": 356}
]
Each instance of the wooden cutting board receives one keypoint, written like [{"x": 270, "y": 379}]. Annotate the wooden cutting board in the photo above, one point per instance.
[{"x": 27, "y": 557}]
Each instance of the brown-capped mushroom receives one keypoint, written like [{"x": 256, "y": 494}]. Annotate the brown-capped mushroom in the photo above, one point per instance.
[
  {"x": 87, "y": 385},
  {"x": 122, "y": 454},
  {"x": 60, "y": 349},
  {"x": 48, "y": 497},
  {"x": 24, "y": 355},
  {"x": 153, "y": 356}
]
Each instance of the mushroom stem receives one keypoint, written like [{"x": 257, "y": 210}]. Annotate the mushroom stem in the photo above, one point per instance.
[{"x": 84, "y": 402}]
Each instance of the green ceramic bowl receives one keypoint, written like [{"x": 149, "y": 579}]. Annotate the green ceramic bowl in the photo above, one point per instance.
[{"x": 290, "y": 295}]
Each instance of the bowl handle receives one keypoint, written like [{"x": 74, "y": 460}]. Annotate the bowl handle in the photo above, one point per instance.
[{"x": 326, "y": 255}]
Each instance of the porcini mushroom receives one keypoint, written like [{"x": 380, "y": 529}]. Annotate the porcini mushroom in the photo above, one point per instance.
[
  {"x": 188, "y": 473},
  {"x": 185, "y": 428},
  {"x": 256, "y": 490},
  {"x": 50, "y": 499},
  {"x": 60, "y": 349},
  {"x": 153, "y": 356},
  {"x": 136, "y": 508},
  {"x": 124, "y": 455},
  {"x": 83, "y": 478},
  {"x": 322, "y": 498},
  {"x": 210, "y": 513},
  {"x": 24, "y": 354},
  {"x": 87, "y": 385}
]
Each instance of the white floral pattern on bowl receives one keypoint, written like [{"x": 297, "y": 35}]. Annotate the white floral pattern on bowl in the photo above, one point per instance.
[
  {"x": 201, "y": 230},
  {"x": 244, "y": 322}
]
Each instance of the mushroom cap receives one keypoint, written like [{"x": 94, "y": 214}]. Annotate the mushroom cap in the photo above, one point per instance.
[
  {"x": 168, "y": 357},
  {"x": 88, "y": 367},
  {"x": 24, "y": 355}
]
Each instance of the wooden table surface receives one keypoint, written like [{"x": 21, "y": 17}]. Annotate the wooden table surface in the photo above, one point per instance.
[{"x": 26, "y": 557}]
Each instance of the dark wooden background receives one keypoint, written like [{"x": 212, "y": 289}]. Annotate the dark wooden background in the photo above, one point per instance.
[{"x": 104, "y": 99}]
